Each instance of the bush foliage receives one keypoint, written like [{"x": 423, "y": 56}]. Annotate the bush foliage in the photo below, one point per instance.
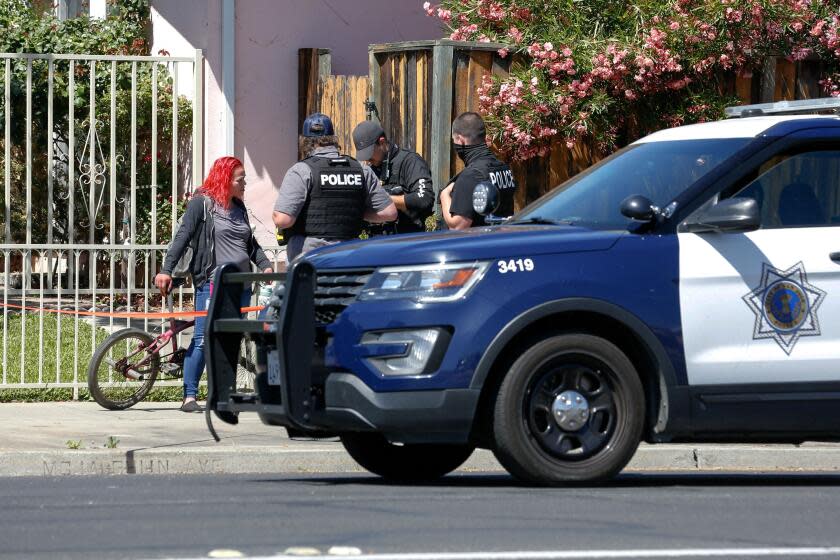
[
  {"x": 123, "y": 32},
  {"x": 609, "y": 71}
]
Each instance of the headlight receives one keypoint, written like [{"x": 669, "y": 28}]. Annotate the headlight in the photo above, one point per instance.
[{"x": 432, "y": 282}]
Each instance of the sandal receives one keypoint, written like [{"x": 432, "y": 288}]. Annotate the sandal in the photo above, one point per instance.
[{"x": 191, "y": 406}]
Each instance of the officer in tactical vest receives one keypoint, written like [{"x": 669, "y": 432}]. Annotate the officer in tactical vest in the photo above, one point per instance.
[
  {"x": 326, "y": 197},
  {"x": 404, "y": 174},
  {"x": 469, "y": 140}
]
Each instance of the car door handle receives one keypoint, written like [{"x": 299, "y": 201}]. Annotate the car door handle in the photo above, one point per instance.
[{"x": 835, "y": 257}]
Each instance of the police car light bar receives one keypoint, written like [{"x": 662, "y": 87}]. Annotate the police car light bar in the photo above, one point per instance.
[{"x": 804, "y": 106}]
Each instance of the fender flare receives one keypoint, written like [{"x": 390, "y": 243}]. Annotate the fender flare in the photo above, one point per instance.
[{"x": 665, "y": 372}]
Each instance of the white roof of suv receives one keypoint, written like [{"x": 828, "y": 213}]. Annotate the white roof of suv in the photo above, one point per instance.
[
  {"x": 751, "y": 120},
  {"x": 730, "y": 128}
]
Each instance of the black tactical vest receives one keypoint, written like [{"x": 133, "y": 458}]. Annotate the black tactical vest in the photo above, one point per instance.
[
  {"x": 490, "y": 169},
  {"x": 336, "y": 202}
]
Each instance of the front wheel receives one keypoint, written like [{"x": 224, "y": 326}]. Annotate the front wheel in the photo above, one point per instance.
[
  {"x": 571, "y": 409},
  {"x": 404, "y": 463},
  {"x": 121, "y": 372}
]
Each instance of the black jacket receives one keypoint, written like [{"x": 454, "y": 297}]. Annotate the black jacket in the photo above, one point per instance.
[
  {"x": 197, "y": 224},
  {"x": 411, "y": 172}
]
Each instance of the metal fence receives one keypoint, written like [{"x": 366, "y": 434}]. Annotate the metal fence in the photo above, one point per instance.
[{"x": 97, "y": 153}]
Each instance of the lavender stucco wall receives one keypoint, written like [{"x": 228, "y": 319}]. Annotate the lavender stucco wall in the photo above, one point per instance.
[{"x": 268, "y": 36}]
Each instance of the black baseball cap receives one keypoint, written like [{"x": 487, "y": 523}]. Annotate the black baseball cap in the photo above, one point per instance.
[{"x": 365, "y": 136}]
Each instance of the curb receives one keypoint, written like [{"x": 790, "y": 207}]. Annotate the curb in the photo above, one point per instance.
[{"x": 325, "y": 459}]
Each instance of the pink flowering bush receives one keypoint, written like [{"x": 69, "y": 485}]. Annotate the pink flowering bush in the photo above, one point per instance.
[{"x": 609, "y": 72}]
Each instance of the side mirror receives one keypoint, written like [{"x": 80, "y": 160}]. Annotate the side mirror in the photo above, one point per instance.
[
  {"x": 638, "y": 207},
  {"x": 486, "y": 198},
  {"x": 731, "y": 214}
]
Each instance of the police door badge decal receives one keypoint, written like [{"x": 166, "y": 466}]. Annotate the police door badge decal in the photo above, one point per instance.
[{"x": 785, "y": 306}]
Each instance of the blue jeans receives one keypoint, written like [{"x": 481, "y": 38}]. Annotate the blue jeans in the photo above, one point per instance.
[{"x": 194, "y": 361}]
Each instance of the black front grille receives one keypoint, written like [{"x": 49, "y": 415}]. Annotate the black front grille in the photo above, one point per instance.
[{"x": 335, "y": 290}]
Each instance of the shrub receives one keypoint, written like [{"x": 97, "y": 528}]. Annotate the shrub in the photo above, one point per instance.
[
  {"x": 609, "y": 72},
  {"x": 124, "y": 32}
]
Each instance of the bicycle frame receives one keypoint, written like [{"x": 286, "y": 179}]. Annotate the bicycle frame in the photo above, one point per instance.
[{"x": 157, "y": 345}]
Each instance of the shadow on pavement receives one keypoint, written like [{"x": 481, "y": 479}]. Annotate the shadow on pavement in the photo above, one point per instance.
[{"x": 627, "y": 480}]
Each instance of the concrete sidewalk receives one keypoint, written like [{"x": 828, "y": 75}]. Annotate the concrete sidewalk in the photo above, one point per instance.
[{"x": 157, "y": 438}]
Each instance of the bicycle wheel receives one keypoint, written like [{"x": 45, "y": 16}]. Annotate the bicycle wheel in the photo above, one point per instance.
[{"x": 114, "y": 365}]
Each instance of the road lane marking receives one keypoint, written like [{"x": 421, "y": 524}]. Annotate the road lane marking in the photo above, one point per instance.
[
  {"x": 344, "y": 551},
  {"x": 582, "y": 554},
  {"x": 225, "y": 553},
  {"x": 298, "y": 551}
]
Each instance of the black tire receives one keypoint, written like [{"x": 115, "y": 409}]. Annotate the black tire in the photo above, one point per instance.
[
  {"x": 107, "y": 384},
  {"x": 404, "y": 463},
  {"x": 571, "y": 409}
]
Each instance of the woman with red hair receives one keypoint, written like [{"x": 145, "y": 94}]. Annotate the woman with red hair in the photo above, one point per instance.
[{"x": 215, "y": 225}]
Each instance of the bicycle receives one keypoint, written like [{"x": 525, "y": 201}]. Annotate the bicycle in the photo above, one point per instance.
[{"x": 126, "y": 365}]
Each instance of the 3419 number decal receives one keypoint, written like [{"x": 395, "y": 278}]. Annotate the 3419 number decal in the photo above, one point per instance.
[{"x": 515, "y": 265}]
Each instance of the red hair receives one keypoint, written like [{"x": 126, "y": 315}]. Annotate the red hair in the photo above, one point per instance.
[{"x": 217, "y": 183}]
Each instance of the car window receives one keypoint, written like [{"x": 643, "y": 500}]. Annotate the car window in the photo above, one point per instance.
[
  {"x": 798, "y": 190},
  {"x": 658, "y": 170}
]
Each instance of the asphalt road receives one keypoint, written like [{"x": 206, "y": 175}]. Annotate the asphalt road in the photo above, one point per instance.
[{"x": 190, "y": 516}]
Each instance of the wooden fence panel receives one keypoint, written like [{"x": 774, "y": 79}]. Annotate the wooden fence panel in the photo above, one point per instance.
[
  {"x": 341, "y": 97},
  {"x": 785, "y": 80},
  {"x": 404, "y": 97}
]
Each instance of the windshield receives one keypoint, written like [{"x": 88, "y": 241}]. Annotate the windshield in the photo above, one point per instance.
[{"x": 657, "y": 170}]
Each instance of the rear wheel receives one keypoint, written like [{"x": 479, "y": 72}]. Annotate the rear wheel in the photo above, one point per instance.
[
  {"x": 571, "y": 408},
  {"x": 117, "y": 361},
  {"x": 404, "y": 463}
]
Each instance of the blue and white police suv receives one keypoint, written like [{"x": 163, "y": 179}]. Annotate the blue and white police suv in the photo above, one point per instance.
[{"x": 687, "y": 288}]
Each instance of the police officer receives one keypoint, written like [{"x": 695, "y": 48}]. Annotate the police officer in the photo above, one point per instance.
[
  {"x": 404, "y": 174},
  {"x": 326, "y": 197},
  {"x": 469, "y": 140}
]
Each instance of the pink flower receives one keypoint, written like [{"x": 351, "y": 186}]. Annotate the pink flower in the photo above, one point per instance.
[
  {"x": 800, "y": 53},
  {"x": 503, "y": 53},
  {"x": 734, "y": 16}
]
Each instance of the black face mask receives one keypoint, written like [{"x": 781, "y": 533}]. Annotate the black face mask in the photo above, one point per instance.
[{"x": 466, "y": 151}]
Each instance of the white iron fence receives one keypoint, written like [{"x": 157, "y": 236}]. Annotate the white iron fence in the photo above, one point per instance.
[{"x": 97, "y": 153}]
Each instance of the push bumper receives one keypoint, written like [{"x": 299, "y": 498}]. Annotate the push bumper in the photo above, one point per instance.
[{"x": 296, "y": 391}]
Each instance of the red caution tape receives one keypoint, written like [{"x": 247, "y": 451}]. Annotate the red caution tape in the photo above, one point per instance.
[{"x": 123, "y": 315}]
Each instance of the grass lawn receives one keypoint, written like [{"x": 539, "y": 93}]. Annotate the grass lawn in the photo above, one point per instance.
[{"x": 53, "y": 370}]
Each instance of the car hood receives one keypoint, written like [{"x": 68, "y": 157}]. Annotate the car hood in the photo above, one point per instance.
[{"x": 482, "y": 243}]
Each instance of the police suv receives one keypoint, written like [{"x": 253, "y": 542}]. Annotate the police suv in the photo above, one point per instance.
[{"x": 687, "y": 288}]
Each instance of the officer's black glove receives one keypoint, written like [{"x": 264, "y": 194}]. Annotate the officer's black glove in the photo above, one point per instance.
[
  {"x": 282, "y": 237},
  {"x": 394, "y": 190}
]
